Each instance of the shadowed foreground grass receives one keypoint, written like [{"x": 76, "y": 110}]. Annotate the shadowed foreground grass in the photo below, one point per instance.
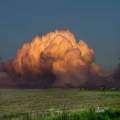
[{"x": 91, "y": 114}]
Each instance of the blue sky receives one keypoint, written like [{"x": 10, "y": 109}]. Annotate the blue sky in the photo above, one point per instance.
[{"x": 95, "y": 21}]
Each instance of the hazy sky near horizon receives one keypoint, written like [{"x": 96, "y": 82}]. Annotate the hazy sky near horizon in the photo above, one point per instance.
[{"x": 95, "y": 21}]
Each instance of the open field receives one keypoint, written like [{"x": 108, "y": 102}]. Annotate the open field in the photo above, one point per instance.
[
  {"x": 89, "y": 114},
  {"x": 42, "y": 100}
]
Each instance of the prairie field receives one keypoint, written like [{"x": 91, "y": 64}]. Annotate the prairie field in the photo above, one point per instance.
[{"x": 20, "y": 101}]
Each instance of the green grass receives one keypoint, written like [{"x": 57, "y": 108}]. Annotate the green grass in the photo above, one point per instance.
[
  {"x": 35, "y": 100},
  {"x": 90, "y": 114}
]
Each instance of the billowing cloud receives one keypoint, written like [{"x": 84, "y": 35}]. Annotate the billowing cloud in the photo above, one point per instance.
[{"x": 55, "y": 59}]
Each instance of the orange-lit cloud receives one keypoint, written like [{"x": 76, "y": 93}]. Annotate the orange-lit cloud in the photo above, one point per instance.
[{"x": 57, "y": 53}]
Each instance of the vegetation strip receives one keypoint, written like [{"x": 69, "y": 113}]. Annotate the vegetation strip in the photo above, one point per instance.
[{"x": 91, "y": 114}]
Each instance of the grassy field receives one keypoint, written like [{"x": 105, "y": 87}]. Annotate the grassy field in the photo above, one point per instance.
[
  {"x": 14, "y": 101},
  {"x": 59, "y": 104},
  {"x": 89, "y": 114}
]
